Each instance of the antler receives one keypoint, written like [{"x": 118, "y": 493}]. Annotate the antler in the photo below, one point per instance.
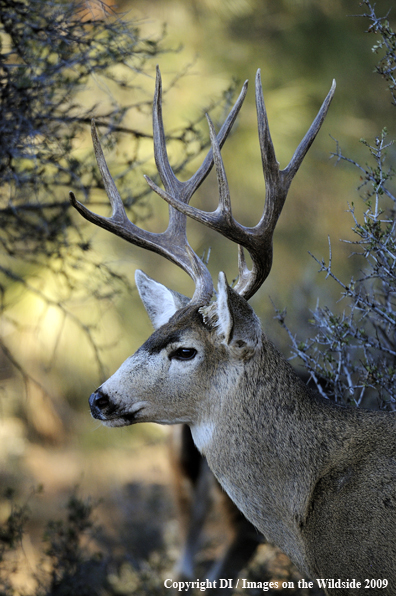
[
  {"x": 256, "y": 240},
  {"x": 172, "y": 244}
]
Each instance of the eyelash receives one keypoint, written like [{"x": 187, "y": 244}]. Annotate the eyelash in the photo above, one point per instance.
[{"x": 183, "y": 354}]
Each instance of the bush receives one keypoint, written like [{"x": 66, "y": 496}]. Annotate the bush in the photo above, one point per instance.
[{"x": 352, "y": 356}]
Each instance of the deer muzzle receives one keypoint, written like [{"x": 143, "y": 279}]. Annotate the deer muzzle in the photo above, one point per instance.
[
  {"x": 100, "y": 405},
  {"x": 109, "y": 413}
]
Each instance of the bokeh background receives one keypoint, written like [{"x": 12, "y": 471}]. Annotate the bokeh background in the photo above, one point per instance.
[{"x": 47, "y": 436}]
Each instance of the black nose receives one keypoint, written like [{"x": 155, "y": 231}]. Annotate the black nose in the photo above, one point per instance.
[{"x": 98, "y": 402}]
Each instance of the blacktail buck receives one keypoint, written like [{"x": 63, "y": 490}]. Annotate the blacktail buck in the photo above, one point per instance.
[{"x": 315, "y": 478}]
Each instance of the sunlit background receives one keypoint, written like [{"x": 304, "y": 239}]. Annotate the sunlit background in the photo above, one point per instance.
[{"x": 47, "y": 436}]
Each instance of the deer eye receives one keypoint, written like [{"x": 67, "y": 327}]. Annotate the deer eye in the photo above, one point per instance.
[{"x": 183, "y": 354}]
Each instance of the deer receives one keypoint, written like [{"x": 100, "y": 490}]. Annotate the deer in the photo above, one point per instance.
[{"x": 316, "y": 478}]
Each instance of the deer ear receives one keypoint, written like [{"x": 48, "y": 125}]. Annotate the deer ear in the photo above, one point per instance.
[
  {"x": 237, "y": 321},
  {"x": 159, "y": 302}
]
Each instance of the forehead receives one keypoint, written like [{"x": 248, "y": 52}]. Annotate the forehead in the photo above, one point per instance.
[{"x": 187, "y": 318}]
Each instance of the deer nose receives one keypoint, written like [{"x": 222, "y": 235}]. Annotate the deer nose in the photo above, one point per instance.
[{"x": 98, "y": 402}]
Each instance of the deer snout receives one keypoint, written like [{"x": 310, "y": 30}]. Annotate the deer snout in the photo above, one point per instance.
[{"x": 99, "y": 403}]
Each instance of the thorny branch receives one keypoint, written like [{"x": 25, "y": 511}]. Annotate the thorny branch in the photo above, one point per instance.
[{"x": 352, "y": 356}]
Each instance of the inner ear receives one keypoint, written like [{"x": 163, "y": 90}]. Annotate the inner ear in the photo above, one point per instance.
[
  {"x": 225, "y": 321},
  {"x": 160, "y": 302},
  {"x": 237, "y": 321}
]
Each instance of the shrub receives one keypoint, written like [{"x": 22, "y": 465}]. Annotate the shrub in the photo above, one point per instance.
[{"x": 351, "y": 357}]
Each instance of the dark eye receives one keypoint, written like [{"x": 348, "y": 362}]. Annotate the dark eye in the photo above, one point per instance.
[{"x": 183, "y": 354}]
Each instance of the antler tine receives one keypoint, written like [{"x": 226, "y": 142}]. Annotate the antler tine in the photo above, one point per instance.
[
  {"x": 165, "y": 171},
  {"x": 301, "y": 151},
  {"x": 257, "y": 240},
  {"x": 118, "y": 223},
  {"x": 172, "y": 244},
  {"x": 185, "y": 190},
  {"x": 221, "y": 219}
]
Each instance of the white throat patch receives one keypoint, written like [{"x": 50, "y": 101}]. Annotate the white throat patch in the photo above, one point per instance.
[{"x": 203, "y": 434}]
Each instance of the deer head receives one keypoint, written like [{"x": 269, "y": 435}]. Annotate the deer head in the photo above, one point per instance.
[{"x": 178, "y": 374}]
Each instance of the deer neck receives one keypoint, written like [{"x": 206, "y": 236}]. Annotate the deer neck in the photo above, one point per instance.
[{"x": 264, "y": 443}]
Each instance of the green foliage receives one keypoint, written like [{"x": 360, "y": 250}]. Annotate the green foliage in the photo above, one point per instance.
[{"x": 352, "y": 356}]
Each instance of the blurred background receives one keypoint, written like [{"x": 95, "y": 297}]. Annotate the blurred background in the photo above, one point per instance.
[{"x": 70, "y": 311}]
